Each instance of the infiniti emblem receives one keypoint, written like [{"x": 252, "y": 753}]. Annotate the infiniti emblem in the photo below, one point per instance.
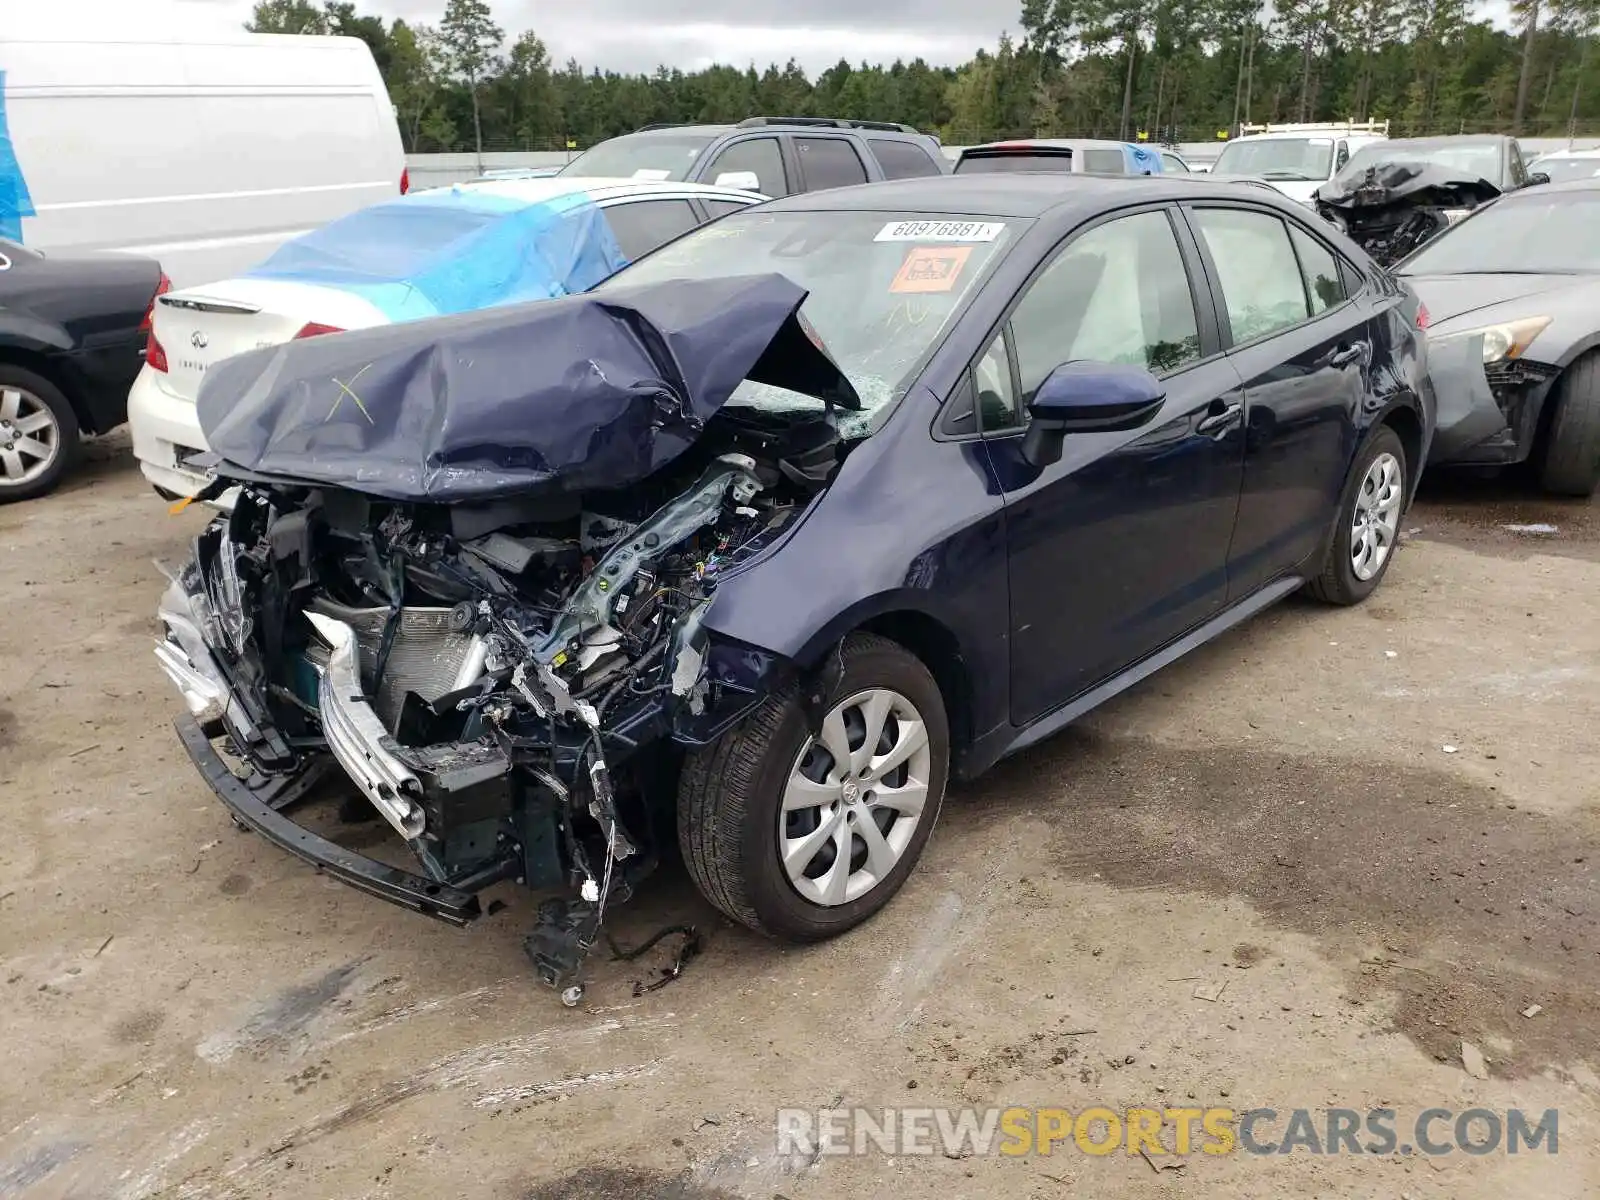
[{"x": 197, "y": 340}]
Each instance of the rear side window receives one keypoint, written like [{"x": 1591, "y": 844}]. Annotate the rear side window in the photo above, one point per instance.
[
  {"x": 902, "y": 160},
  {"x": 1256, "y": 265},
  {"x": 759, "y": 156},
  {"x": 1172, "y": 163},
  {"x": 1007, "y": 161},
  {"x": 829, "y": 163},
  {"x": 1106, "y": 162},
  {"x": 1324, "y": 286},
  {"x": 648, "y": 224}
]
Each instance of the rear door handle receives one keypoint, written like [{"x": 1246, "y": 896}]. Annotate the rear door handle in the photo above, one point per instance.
[
  {"x": 1345, "y": 355},
  {"x": 1219, "y": 418}
]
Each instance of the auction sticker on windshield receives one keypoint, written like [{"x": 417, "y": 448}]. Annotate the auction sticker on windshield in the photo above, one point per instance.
[
  {"x": 931, "y": 269},
  {"x": 940, "y": 231}
]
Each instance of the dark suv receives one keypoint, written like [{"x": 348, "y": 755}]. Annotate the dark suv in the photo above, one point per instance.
[{"x": 776, "y": 156}]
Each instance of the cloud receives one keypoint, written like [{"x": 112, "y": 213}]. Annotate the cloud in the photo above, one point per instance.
[{"x": 616, "y": 35}]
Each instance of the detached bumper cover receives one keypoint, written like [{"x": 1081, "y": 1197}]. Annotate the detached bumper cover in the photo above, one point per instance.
[{"x": 433, "y": 899}]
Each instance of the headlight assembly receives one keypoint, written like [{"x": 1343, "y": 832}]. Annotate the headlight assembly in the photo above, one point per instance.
[{"x": 1507, "y": 341}]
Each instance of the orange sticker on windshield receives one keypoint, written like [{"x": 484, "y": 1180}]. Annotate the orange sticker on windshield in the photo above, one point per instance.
[{"x": 931, "y": 269}]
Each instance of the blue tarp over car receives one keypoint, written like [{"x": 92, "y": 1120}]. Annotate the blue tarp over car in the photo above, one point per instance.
[{"x": 453, "y": 250}]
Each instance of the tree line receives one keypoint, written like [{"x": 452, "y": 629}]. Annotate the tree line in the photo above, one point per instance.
[{"x": 1164, "y": 70}]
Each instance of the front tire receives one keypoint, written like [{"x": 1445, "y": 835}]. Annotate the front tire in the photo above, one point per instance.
[
  {"x": 1570, "y": 464},
  {"x": 804, "y": 838},
  {"x": 1367, "y": 530},
  {"x": 38, "y": 434}
]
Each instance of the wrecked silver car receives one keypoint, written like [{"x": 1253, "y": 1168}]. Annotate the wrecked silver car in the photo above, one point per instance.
[{"x": 1393, "y": 207}]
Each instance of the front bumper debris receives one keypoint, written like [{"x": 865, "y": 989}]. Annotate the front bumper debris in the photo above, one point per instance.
[
  {"x": 254, "y": 802},
  {"x": 356, "y": 736}
]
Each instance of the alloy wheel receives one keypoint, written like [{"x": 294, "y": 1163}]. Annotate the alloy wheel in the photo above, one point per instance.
[
  {"x": 854, "y": 797},
  {"x": 30, "y": 436},
  {"x": 1375, "y": 524}
]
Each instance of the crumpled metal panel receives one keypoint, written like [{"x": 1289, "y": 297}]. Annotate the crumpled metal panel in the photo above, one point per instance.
[{"x": 598, "y": 390}]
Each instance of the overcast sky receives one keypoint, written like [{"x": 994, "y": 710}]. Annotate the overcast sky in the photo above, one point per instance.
[{"x": 631, "y": 35}]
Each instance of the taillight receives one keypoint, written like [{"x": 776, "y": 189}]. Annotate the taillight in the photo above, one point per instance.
[
  {"x": 163, "y": 286},
  {"x": 154, "y": 356},
  {"x": 1422, "y": 315},
  {"x": 316, "y": 329},
  {"x": 405, "y": 180}
]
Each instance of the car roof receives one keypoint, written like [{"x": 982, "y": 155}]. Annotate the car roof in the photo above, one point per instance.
[
  {"x": 1591, "y": 184},
  {"x": 1021, "y": 195},
  {"x": 554, "y": 187},
  {"x": 1452, "y": 139},
  {"x": 1050, "y": 143}
]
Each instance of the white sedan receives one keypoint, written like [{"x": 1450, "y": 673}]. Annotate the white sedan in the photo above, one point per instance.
[{"x": 434, "y": 252}]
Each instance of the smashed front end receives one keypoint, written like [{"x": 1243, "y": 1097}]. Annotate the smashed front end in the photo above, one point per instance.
[
  {"x": 1393, "y": 208},
  {"x": 497, "y": 640}
]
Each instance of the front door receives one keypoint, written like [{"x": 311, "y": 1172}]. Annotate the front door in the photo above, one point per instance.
[{"x": 1121, "y": 545}]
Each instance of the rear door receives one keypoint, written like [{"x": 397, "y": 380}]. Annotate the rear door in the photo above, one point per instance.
[
  {"x": 1302, "y": 346},
  {"x": 828, "y": 162},
  {"x": 1121, "y": 545}
]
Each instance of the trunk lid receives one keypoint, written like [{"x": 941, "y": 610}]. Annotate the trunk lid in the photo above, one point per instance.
[{"x": 199, "y": 327}]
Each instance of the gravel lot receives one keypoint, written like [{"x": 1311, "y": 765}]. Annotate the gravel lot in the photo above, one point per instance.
[{"x": 1259, "y": 879}]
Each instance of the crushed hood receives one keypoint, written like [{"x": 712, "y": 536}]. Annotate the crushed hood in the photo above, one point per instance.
[
  {"x": 595, "y": 390},
  {"x": 1415, "y": 183}
]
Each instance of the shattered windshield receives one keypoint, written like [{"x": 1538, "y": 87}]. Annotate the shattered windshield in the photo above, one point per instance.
[
  {"x": 883, "y": 287},
  {"x": 1523, "y": 233},
  {"x": 1475, "y": 160},
  {"x": 656, "y": 156},
  {"x": 1277, "y": 157}
]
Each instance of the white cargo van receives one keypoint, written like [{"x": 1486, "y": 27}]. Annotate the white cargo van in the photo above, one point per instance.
[{"x": 205, "y": 153}]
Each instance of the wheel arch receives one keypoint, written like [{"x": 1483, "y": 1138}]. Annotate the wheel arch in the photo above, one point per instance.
[
  {"x": 927, "y": 637},
  {"x": 1406, "y": 422},
  {"x": 47, "y": 367}
]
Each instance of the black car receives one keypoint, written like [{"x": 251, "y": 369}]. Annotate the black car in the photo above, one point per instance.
[
  {"x": 764, "y": 538},
  {"x": 72, "y": 337},
  {"x": 1396, "y": 193},
  {"x": 1513, "y": 303},
  {"x": 776, "y": 156}
]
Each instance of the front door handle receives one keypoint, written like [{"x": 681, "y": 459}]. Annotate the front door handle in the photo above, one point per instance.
[
  {"x": 1345, "y": 355},
  {"x": 1219, "y": 418}
]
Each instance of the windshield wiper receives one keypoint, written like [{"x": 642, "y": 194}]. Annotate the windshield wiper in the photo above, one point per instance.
[{"x": 1284, "y": 175}]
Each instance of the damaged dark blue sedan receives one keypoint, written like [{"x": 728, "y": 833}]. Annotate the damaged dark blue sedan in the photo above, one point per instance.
[{"x": 769, "y": 535}]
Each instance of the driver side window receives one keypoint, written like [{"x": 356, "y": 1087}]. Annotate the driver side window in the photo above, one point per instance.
[
  {"x": 1117, "y": 294},
  {"x": 1342, "y": 157}
]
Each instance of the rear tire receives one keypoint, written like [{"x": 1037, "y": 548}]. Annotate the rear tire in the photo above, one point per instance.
[
  {"x": 736, "y": 832},
  {"x": 1347, "y": 576},
  {"x": 38, "y": 435},
  {"x": 1570, "y": 462}
]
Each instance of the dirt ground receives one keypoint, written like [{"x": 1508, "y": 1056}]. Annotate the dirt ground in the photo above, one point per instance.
[{"x": 1296, "y": 870}]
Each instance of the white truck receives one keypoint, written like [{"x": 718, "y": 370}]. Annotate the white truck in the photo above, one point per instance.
[{"x": 1297, "y": 159}]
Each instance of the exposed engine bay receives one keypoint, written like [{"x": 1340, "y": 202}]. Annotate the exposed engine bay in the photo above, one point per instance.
[
  {"x": 480, "y": 588},
  {"x": 524, "y": 660},
  {"x": 1393, "y": 208}
]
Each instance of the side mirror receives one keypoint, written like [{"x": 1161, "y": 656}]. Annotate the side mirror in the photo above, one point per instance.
[
  {"x": 1088, "y": 397},
  {"x": 745, "y": 181},
  {"x": 1538, "y": 177}
]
